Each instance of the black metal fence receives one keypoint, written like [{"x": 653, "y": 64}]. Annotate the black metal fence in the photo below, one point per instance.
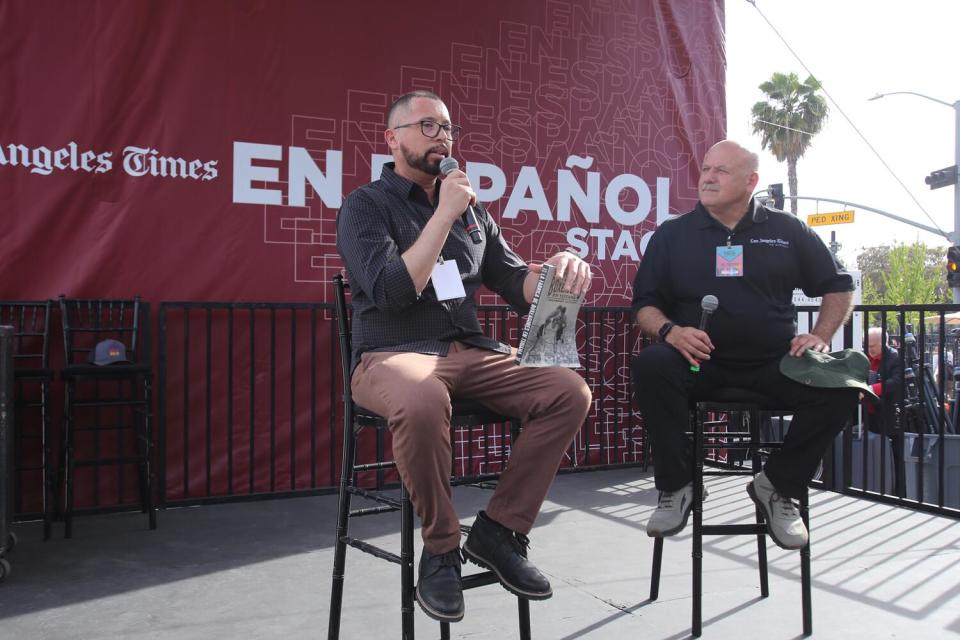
[
  {"x": 917, "y": 462},
  {"x": 6, "y": 445},
  {"x": 248, "y": 404},
  {"x": 249, "y": 399},
  {"x": 33, "y": 446}
]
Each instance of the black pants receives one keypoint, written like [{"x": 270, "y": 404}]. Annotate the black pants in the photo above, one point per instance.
[{"x": 665, "y": 388}]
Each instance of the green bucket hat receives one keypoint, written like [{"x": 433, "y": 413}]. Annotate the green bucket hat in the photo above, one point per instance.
[{"x": 847, "y": 368}]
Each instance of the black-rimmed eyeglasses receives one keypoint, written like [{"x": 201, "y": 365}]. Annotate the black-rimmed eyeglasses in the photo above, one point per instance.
[{"x": 431, "y": 129}]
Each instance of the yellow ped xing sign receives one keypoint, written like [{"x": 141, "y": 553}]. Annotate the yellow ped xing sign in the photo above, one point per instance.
[{"x": 835, "y": 217}]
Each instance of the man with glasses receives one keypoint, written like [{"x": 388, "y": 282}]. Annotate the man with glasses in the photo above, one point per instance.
[{"x": 417, "y": 343}]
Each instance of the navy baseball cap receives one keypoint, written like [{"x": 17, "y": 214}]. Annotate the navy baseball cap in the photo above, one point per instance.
[{"x": 109, "y": 352}]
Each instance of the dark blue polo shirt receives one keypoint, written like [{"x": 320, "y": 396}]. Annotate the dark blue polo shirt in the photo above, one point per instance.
[{"x": 756, "y": 318}]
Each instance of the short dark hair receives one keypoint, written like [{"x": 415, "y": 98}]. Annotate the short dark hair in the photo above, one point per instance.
[{"x": 404, "y": 101}]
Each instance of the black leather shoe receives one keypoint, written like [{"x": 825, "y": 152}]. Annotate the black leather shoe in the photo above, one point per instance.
[
  {"x": 493, "y": 546},
  {"x": 438, "y": 590}
]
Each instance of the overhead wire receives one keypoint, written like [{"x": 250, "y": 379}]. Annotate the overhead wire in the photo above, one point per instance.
[{"x": 846, "y": 117}]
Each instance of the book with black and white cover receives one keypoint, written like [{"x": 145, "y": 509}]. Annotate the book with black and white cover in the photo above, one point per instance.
[{"x": 549, "y": 337}]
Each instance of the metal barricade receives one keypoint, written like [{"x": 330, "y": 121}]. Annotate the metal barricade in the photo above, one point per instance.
[{"x": 7, "y": 538}]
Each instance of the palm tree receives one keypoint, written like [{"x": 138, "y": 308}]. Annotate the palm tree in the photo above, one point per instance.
[{"x": 788, "y": 119}]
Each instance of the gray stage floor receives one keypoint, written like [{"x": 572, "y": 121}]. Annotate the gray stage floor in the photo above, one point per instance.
[{"x": 262, "y": 570}]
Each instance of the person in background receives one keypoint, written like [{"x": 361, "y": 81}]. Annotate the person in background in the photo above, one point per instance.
[{"x": 886, "y": 377}]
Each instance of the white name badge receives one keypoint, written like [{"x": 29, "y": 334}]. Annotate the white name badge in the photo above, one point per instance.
[{"x": 446, "y": 280}]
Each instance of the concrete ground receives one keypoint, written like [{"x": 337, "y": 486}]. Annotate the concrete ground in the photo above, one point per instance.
[{"x": 262, "y": 570}]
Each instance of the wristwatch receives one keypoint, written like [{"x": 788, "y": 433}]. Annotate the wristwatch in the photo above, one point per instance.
[{"x": 664, "y": 330}]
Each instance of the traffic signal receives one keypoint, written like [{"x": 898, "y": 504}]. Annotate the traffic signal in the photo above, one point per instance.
[
  {"x": 953, "y": 266},
  {"x": 775, "y": 191},
  {"x": 942, "y": 177}
]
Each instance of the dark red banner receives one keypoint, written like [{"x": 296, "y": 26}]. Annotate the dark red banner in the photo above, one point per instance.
[{"x": 200, "y": 150}]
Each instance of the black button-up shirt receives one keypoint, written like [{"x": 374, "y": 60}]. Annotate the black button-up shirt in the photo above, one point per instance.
[
  {"x": 756, "y": 319},
  {"x": 380, "y": 221}
]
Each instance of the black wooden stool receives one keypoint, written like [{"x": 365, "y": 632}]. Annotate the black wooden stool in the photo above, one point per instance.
[
  {"x": 750, "y": 407},
  {"x": 110, "y": 405},
  {"x": 356, "y": 419},
  {"x": 33, "y": 378}
]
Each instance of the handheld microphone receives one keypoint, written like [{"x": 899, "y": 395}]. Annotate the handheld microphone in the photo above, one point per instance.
[
  {"x": 708, "y": 305},
  {"x": 447, "y": 165}
]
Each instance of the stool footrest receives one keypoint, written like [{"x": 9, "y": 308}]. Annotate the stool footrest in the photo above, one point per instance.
[
  {"x": 373, "y": 550},
  {"x": 371, "y": 511},
  {"x": 728, "y": 445},
  {"x": 374, "y": 466},
  {"x": 479, "y": 580},
  {"x": 730, "y": 472},
  {"x": 485, "y": 485},
  {"x": 722, "y": 434},
  {"x": 733, "y": 529},
  {"x": 479, "y": 481}
]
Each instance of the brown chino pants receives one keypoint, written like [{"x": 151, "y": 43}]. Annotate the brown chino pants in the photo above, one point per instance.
[{"x": 413, "y": 392}]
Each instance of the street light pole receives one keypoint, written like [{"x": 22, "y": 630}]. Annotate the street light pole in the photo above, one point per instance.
[
  {"x": 955, "y": 235},
  {"x": 956, "y": 185}
]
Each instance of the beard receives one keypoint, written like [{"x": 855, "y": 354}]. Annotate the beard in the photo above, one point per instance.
[{"x": 422, "y": 162}]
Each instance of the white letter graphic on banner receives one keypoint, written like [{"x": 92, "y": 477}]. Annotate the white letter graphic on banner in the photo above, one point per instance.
[
  {"x": 135, "y": 160},
  {"x": 663, "y": 200},
  {"x": 612, "y": 199},
  {"x": 477, "y": 171},
  {"x": 244, "y": 173},
  {"x": 303, "y": 169},
  {"x": 569, "y": 191},
  {"x": 377, "y": 160},
  {"x": 528, "y": 181}
]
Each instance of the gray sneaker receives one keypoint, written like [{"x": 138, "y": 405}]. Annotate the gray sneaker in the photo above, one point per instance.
[
  {"x": 783, "y": 518},
  {"x": 673, "y": 509}
]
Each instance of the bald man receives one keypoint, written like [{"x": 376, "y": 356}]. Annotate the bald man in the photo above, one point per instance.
[{"x": 751, "y": 257}]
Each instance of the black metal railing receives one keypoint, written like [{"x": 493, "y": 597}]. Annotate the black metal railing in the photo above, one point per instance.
[
  {"x": 247, "y": 393},
  {"x": 237, "y": 413},
  {"x": 917, "y": 463},
  {"x": 32, "y": 447},
  {"x": 247, "y": 403},
  {"x": 246, "y": 399},
  {"x": 6, "y": 442}
]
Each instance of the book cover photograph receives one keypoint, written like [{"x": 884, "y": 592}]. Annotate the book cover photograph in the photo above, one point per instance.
[{"x": 549, "y": 336}]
